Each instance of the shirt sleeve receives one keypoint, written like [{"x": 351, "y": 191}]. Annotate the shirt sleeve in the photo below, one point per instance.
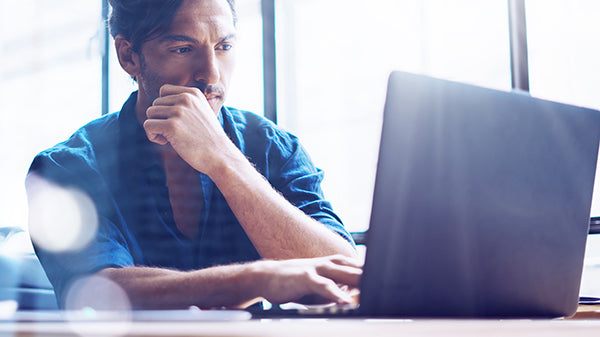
[{"x": 56, "y": 172}]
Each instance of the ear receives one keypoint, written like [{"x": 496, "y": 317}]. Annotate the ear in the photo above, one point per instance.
[{"x": 128, "y": 58}]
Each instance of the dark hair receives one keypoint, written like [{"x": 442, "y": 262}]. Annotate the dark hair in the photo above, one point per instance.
[{"x": 140, "y": 21}]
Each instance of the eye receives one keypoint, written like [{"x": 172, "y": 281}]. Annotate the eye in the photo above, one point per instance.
[
  {"x": 181, "y": 50},
  {"x": 225, "y": 46}
]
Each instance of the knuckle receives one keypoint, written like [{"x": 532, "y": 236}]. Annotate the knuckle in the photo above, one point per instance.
[
  {"x": 150, "y": 112},
  {"x": 170, "y": 127},
  {"x": 307, "y": 274},
  {"x": 195, "y": 91},
  {"x": 324, "y": 267},
  {"x": 187, "y": 98},
  {"x": 339, "y": 258},
  {"x": 318, "y": 280},
  {"x": 147, "y": 124},
  {"x": 176, "y": 112}
]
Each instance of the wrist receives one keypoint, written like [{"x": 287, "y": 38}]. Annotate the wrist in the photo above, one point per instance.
[
  {"x": 258, "y": 276},
  {"x": 228, "y": 165}
]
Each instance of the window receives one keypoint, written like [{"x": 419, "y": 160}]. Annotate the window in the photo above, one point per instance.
[
  {"x": 49, "y": 85},
  {"x": 50, "y": 73},
  {"x": 564, "y": 66},
  {"x": 334, "y": 58}
]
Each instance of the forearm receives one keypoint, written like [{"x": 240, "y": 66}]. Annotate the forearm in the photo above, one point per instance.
[
  {"x": 238, "y": 286},
  {"x": 277, "y": 229},
  {"x": 232, "y": 286}
]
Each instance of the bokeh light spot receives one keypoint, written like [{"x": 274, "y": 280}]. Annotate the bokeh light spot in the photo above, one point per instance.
[{"x": 60, "y": 219}]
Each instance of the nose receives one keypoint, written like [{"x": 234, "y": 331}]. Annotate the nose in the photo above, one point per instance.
[{"x": 207, "y": 68}]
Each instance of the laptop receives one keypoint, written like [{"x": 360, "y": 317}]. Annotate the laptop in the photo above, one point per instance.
[{"x": 481, "y": 204}]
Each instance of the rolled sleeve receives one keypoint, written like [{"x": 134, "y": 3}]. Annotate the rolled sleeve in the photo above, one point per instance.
[
  {"x": 107, "y": 247},
  {"x": 299, "y": 181},
  {"x": 104, "y": 251}
]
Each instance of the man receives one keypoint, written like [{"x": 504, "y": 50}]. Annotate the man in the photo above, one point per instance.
[{"x": 186, "y": 216}]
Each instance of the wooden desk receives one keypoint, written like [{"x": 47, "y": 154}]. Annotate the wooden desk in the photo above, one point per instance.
[
  {"x": 587, "y": 312},
  {"x": 313, "y": 328}
]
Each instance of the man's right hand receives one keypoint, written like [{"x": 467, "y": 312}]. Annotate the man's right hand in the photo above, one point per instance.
[
  {"x": 183, "y": 117},
  {"x": 326, "y": 279}
]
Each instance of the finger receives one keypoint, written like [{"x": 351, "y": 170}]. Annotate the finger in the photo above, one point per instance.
[
  {"x": 184, "y": 98},
  {"x": 160, "y": 112},
  {"x": 328, "y": 289},
  {"x": 315, "y": 299},
  {"x": 346, "y": 261},
  {"x": 354, "y": 293},
  {"x": 170, "y": 89},
  {"x": 154, "y": 132},
  {"x": 347, "y": 275},
  {"x": 169, "y": 100}
]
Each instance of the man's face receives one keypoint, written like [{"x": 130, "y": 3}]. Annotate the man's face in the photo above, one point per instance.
[{"x": 196, "y": 51}]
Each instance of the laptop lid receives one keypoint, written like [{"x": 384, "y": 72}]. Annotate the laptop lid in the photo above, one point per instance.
[{"x": 481, "y": 203}]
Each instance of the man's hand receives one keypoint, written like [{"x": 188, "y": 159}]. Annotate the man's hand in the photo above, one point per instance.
[
  {"x": 183, "y": 118},
  {"x": 324, "y": 280}
]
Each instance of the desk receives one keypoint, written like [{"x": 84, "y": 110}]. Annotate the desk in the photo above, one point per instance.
[
  {"x": 587, "y": 312},
  {"x": 313, "y": 328},
  {"x": 585, "y": 323}
]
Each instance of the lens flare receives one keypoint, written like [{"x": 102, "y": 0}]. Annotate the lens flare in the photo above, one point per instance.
[
  {"x": 8, "y": 309},
  {"x": 96, "y": 298},
  {"x": 96, "y": 293},
  {"x": 60, "y": 219}
]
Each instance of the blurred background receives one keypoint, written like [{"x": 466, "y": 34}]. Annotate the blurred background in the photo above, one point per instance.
[{"x": 333, "y": 58}]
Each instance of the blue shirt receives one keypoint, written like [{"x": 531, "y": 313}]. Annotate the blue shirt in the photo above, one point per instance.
[{"x": 112, "y": 161}]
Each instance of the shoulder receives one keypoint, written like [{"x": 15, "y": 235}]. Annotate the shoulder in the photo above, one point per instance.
[
  {"x": 276, "y": 153},
  {"x": 88, "y": 138},
  {"x": 80, "y": 150}
]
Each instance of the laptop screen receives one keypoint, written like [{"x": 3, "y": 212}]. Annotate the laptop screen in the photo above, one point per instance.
[{"x": 481, "y": 203}]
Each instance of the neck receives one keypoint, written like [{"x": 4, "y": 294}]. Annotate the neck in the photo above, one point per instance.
[{"x": 141, "y": 105}]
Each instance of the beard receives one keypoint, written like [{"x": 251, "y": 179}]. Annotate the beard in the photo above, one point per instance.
[
  {"x": 152, "y": 81},
  {"x": 149, "y": 80}
]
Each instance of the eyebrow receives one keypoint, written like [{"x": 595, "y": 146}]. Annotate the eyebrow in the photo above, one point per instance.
[
  {"x": 228, "y": 37},
  {"x": 185, "y": 38},
  {"x": 179, "y": 38}
]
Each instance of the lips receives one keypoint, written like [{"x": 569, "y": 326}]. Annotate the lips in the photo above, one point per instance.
[
  {"x": 212, "y": 98},
  {"x": 213, "y": 93},
  {"x": 215, "y": 101}
]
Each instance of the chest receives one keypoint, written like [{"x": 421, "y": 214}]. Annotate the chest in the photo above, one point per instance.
[{"x": 186, "y": 197}]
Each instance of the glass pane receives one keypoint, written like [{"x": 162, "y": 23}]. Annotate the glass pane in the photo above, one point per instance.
[
  {"x": 564, "y": 51},
  {"x": 246, "y": 90},
  {"x": 564, "y": 66},
  {"x": 563, "y": 55},
  {"x": 334, "y": 58},
  {"x": 50, "y": 85}
]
